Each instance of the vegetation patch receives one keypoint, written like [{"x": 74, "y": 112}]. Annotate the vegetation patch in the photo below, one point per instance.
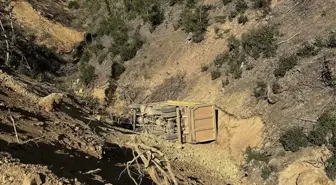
[
  {"x": 242, "y": 19},
  {"x": 149, "y": 10},
  {"x": 73, "y": 4},
  {"x": 264, "y": 5},
  {"x": 286, "y": 63},
  {"x": 241, "y": 6},
  {"x": 330, "y": 168},
  {"x": 204, "y": 67},
  {"x": 215, "y": 74},
  {"x": 260, "y": 41},
  {"x": 307, "y": 50},
  {"x": 294, "y": 139},
  {"x": 256, "y": 155},
  {"x": 86, "y": 73},
  {"x": 194, "y": 19}
]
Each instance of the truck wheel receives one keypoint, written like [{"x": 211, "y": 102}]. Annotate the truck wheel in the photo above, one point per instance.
[
  {"x": 169, "y": 115},
  {"x": 168, "y": 109}
]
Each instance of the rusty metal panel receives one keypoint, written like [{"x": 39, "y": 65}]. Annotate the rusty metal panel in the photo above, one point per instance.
[{"x": 203, "y": 123}]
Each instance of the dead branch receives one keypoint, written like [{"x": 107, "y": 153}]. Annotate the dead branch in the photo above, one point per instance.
[
  {"x": 287, "y": 40},
  {"x": 93, "y": 171},
  {"x": 7, "y": 43},
  {"x": 13, "y": 122},
  {"x": 156, "y": 163}
]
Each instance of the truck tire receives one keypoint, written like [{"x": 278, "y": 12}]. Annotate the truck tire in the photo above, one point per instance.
[{"x": 168, "y": 109}]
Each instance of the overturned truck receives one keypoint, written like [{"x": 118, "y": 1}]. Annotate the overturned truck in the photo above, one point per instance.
[{"x": 185, "y": 122}]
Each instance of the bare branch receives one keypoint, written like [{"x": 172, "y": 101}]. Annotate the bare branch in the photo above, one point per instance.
[
  {"x": 7, "y": 43},
  {"x": 16, "y": 134}
]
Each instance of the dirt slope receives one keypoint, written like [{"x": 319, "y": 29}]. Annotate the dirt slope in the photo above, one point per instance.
[{"x": 52, "y": 34}]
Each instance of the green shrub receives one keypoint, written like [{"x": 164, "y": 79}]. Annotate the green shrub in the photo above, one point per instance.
[
  {"x": 260, "y": 41},
  {"x": 286, "y": 63},
  {"x": 318, "y": 136},
  {"x": 86, "y": 73},
  {"x": 242, "y": 19},
  {"x": 330, "y": 168},
  {"x": 307, "y": 49},
  {"x": 264, "y": 5},
  {"x": 294, "y": 139},
  {"x": 117, "y": 69},
  {"x": 195, "y": 20},
  {"x": 241, "y": 6},
  {"x": 215, "y": 74},
  {"x": 149, "y": 10},
  {"x": 73, "y": 4},
  {"x": 204, "y": 67},
  {"x": 326, "y": 124},
  {"x": 221, "y": 59},
  {"x": 233, "y": 43},
  {"x": 319, "y": 42},
  {"x": 226, "y": 2},
  {"x": 260, "y": 91},
  {"x": 253, "y": 154},
  {"x": 331, "y": 42}
]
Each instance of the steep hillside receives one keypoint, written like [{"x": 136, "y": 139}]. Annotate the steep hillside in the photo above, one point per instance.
[{"x": 68, "y": 66}]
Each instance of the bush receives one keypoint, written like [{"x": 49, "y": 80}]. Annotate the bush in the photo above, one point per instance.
[
  {"x": 330, "y": 168},
  {"x": 86, "y": 73},
  {"x": 331, "y": 42},
  {"x": 221, "y": 59},
  {"x": 117, "y": 69},
  {"x": 260, "y": 91},
  {"x": 327, "y": 75},
  {"x": 242, "y": 19},
  {"x": 260, "y": 41},
  {"x": 73, "y": 4},
  {"x": 285, "y": 64},
  {"x": 204, "y": 67},
  {"x": 253, "y": 154},
  {"x": 226, "y": 2},
  {"x": 326, "y": 125},
  {"x": 241, "y": 6},
  {"x": 263, "y": 5},
  {"x": 195, "y": 20},
  {"x": 215, "y": 74},
  {"x": 307, "y": 49},
  {"x": 318, "y": 136},
  {"x": 293, "y": 139},
  {"x": 149, "y": 10},
  {"x": 233, "y": 43}
]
